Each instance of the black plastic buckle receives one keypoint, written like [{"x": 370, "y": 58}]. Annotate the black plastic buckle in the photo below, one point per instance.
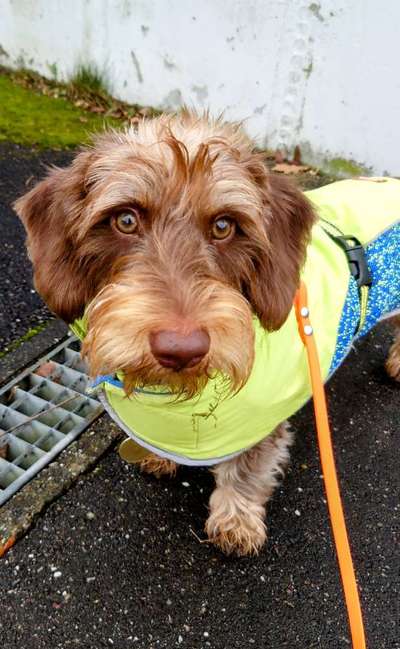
[{"x": 355, "y": 254}]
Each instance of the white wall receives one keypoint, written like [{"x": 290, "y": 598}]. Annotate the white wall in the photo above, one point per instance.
[{"x": 324, "y": 74}]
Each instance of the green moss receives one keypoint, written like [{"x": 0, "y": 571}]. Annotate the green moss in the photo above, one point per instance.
[
  {"x": 27, "y": 336},
  {"x": 29, "y": 118},
  {"x": 344, "y": 168},
  {"x": 308, "y": 69},
  {"x": 334, "y": 167}
]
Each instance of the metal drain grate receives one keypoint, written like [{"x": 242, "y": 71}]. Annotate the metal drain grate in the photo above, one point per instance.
[{"x": 54, "y": 387}]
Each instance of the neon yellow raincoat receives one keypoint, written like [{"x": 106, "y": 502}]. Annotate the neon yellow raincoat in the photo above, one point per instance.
[{"x": 211, "y": 427}]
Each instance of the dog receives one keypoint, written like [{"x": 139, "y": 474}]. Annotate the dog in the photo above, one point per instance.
[{"x": 183, "y": 253}]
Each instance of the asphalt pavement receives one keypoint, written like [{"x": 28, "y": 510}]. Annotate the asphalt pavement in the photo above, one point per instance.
[
  {"x": 21, "y": 308},
  {"x": 117, "y": 560}
]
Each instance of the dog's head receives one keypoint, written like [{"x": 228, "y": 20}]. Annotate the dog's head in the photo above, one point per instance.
[{"x": 171, "y": 237}]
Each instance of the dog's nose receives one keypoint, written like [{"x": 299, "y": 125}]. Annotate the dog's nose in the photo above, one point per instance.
[{"x": 177, "y": 351}]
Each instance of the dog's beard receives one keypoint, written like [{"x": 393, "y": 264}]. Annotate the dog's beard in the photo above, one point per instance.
[{"x": 125, "y": 312}]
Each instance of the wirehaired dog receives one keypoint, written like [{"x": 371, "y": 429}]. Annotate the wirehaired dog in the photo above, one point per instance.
[{"x": 173, "y": 238}]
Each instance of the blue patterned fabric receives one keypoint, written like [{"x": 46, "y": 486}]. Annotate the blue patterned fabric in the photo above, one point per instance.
[{"x": 383, "y": 257}]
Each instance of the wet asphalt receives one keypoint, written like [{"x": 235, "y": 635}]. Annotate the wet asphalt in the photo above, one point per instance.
[
  {"x": 116, "y": 561},
  {"x": 20, "y": 307}
]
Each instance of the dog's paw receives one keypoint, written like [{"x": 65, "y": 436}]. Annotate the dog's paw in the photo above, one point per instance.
[
  {"x": 239, "y": 539},
  {"x": 236, "y": 527},
  {"x": 158, "y": 466},
  {"x": 393, "y": 363}
]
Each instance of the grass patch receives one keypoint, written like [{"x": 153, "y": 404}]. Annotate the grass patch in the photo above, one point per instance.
[
  {"x": 86, "y": 91},
  {"x": 29, "y": 118},
  {"x": 88, "y": 78}
]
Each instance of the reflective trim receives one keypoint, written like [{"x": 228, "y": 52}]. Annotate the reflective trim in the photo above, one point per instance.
[{"x": 180, "y": 459}]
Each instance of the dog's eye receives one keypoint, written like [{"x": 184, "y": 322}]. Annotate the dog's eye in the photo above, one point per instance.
[
  {"x": 126, "y": 222},
  {"x": 222, "y": 228}
]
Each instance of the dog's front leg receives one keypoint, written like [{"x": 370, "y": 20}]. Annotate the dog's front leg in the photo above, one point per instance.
[{"x": 243, "y": 487}]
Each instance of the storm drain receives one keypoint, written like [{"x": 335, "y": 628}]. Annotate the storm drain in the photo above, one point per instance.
[{"x": 42, "y": 410}]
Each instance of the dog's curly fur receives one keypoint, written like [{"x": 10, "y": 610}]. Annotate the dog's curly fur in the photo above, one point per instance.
[{"x": 177, "y": 175}]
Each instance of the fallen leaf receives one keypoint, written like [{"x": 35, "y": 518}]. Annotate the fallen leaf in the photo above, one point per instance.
[
  {"x": 46, "y": 369},
  {"x": 97, "y": 109},
  {"x": 373, "y": 179},
  {"x": 3, "y": 451},
  {"x": 297, "y": 155},
  {"x": 12, "y": 395},
  {"x": 279, "y": 157},
  {"x": 286, "y": 168}
]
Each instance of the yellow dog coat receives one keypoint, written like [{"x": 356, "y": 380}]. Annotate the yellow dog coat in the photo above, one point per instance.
[{"x": 212, "y": 426}]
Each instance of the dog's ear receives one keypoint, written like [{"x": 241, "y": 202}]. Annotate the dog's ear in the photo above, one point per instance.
[
  {"x": 47, "y": 212},
  {"x": 287, "y": 220}
]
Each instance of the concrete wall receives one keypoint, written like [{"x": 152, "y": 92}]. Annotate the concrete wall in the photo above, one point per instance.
[{"x": 320, "y": 74}]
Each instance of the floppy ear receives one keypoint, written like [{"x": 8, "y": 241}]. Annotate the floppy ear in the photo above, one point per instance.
[
  {"x": 287, "y": 220},
  {"x": 46, "y": 212}
]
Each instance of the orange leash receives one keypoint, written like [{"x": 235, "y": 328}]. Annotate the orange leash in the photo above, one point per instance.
[{"x": 329, "y": 471}]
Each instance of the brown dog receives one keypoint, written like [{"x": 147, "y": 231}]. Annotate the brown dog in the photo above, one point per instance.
[{"x": 176, "y": 235}]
